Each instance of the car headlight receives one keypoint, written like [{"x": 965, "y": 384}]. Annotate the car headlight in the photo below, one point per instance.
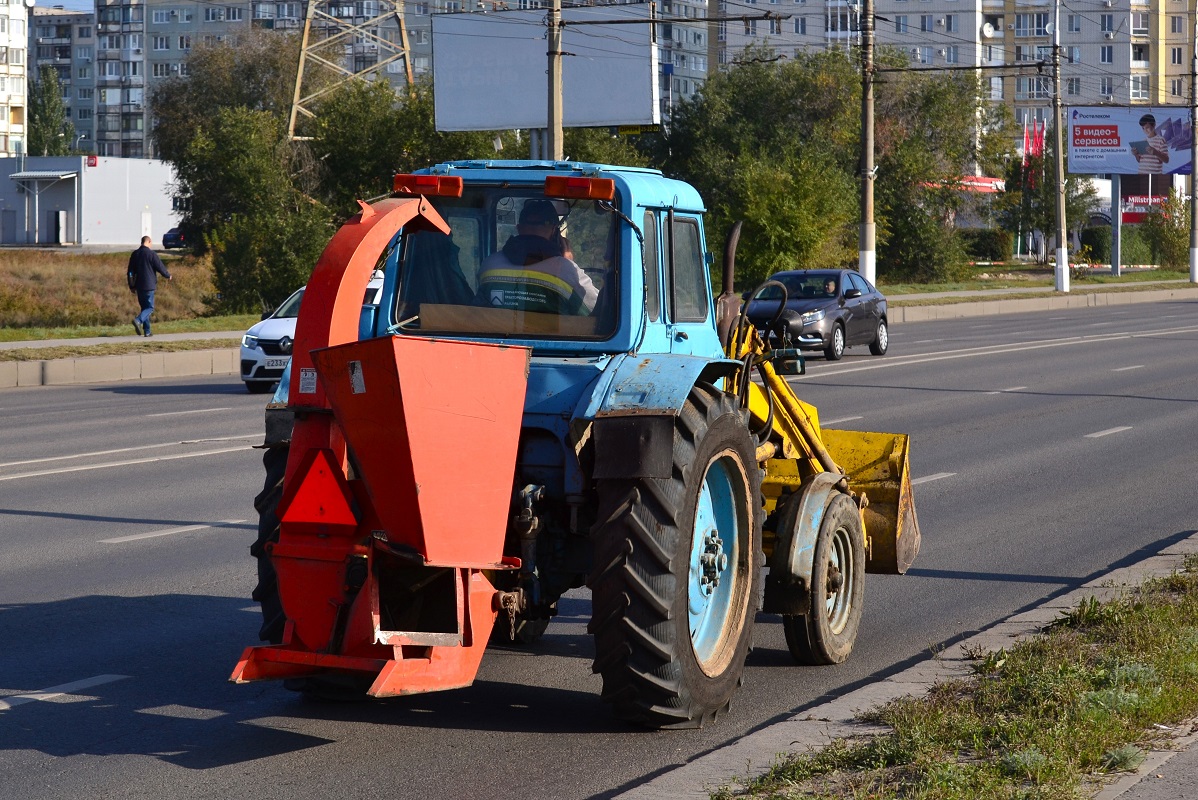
[
  {"x": 249, "y": 341},
  {"x": 813, "y": 316}
]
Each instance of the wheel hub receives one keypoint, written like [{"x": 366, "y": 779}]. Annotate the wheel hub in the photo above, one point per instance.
[{"x": 713, "y": 562}]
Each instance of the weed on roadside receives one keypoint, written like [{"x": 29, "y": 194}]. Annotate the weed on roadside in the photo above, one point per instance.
[{"x": 1047, "y": 718}]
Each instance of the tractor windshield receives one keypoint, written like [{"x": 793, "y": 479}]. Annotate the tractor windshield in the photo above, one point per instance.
[{"x": 515, "y": 264}]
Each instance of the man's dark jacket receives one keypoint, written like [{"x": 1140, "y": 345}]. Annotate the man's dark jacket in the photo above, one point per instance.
[{"x": 143, "y": 265}]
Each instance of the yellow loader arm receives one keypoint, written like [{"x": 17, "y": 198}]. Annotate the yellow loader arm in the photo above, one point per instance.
[{"x": 873, "y": 466}]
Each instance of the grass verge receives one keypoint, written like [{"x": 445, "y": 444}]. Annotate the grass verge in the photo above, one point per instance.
[
  {"x": 238, "y": 322},
  {"x": 114, "y": 349},
  {"x": 1022, "y": 277},
  {"x": 1048, "y": 719}
]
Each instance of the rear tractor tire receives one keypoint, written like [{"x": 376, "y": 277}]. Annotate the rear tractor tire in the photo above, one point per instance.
[
  {"x": 827, "y": 632},
  {"x": 274, "y": 459},
  {"x": 678, "y": 567}
]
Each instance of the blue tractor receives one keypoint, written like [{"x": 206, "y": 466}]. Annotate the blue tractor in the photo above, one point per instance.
[{"x": 548, "y": 395}]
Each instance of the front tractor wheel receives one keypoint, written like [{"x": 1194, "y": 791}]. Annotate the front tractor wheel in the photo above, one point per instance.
[
  {"x": 827, "y": 632},
  {"x": 678, "y": 562}
]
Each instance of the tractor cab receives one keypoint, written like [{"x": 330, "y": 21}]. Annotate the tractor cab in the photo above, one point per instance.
[{"x": 564, "y": 258}]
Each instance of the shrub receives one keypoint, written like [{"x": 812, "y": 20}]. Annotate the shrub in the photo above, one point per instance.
[
  {"x": 986, "y": 244},
  {"x": 1098, "y": 239}
]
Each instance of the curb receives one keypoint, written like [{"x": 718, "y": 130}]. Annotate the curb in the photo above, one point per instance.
[
  {"x": 109, "y": 369},
  {"x": 818, "y": 726},
  {"x": 981, "y": 308}
]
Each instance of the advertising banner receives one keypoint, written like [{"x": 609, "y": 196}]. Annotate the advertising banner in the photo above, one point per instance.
[{"x": 1130, "y": 141}]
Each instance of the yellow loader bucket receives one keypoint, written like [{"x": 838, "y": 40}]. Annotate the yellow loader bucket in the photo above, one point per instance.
[{"x": 876, "y": 465}]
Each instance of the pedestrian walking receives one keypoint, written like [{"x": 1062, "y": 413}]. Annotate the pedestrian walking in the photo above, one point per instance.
[{"x": 144, "y": 268}]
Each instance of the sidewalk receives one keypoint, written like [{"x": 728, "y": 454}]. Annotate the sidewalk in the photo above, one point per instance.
[
  {"x": 1164, "y": 775},
  {"x": 130, "y": 339},
  {"x": 128, "y": 367}
]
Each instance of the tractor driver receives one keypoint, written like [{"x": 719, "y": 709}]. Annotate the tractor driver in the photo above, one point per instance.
[{"x": 534, "y": 271}]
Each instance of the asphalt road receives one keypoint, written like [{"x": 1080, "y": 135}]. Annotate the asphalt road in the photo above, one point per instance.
[{"x": 1047, "y": 448}]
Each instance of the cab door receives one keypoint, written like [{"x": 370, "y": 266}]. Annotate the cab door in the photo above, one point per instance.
[{"x": 688, "y": 290}]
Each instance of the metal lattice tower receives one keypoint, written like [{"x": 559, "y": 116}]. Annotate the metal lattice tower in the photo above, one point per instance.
[{"x": 345, "y": 39}]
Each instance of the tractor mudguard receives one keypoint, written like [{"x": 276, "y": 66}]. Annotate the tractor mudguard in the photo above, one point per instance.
[
  {"x": 652, "y": 385},
  {"x": 793, "y": 556}
]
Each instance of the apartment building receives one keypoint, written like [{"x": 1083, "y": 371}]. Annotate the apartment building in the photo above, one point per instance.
[
  {"x": 1112, "y": 51},
  {"x": 65, "y": 40},
  {"x": 13, "y": 43},
  {"x": 684, "y": 52}
]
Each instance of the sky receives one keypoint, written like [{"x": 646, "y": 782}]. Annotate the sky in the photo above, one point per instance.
[{"x": 69, "y": 5}]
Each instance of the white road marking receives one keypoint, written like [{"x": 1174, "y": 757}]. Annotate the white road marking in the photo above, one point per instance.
[
  {"x": 837, "y": 421},
  {"x": 987, "y": 325},
  {"x": 990, "y": 350},
  {"x": 929, "y": 478},
  {"x": 1100, "y": 324},
  {"x": 193, "y": 411},
  {"x": 1108, "y": 432},
  {"x": 128, "y": 463},
  {"x": 927, "y": 341},
  {"x": 170, "y": 531},
  {"x": 57, "y": 691},
  {"x": 1125, "y": 369},
  {"x": 129, "y": 449},
  {"x": 1012, "y": 389}
]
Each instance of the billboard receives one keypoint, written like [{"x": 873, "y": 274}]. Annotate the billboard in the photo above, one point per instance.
[
  {"x": 1142, "y": 140},
  {"x": 492, "y": 72}
]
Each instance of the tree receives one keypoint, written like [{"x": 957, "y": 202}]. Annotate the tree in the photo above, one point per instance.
[
  {"x": 237, "y": 163},
  {"x": 1029, "y": 203},
  {"x": 257, "y": 71},
  {"x": 765, "y": 125},
  {"x": 1167, "y": 229},
  {"x": 50, "y": 133},
  {"x": 599, "y": 146},
  {"x": 798, "y": 120},
  {"x": 265, "y": 234},
  {"x": 259, "y": 260},
  {"x": 364, "y": 133}
]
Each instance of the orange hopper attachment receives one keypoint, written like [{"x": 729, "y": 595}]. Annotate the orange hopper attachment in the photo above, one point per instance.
[{"x": 397, "y": 490}]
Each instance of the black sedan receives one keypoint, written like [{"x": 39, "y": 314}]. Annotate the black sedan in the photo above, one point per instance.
[
  {"x": 826, "y": 309},
  {"x": 173, "y": 238}
]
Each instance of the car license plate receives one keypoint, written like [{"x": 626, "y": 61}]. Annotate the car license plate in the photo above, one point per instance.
[{"x": 276, "y": 363}]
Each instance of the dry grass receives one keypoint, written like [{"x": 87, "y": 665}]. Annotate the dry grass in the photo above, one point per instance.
[
  {"x": 52, "y": 289},
  {"x": 114, "y": 349}
]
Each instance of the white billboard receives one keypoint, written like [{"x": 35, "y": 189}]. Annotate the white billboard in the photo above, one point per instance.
[
  {"x": 1142, "y": 140},
  {"x": 491, "y": 71}
]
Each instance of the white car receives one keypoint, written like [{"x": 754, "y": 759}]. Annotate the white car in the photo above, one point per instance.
[{"x": 266, "y": 347}]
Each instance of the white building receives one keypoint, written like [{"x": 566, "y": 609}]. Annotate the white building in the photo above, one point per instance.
[{"x": 89, "y": 200}]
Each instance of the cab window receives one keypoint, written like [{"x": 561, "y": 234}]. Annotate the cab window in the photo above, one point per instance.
[{"x": 690, "y": 272}]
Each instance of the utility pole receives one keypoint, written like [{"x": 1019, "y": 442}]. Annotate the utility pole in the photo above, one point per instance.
[
  {"x": 556, "y": 147},
  {"x": 1194, "y": 151},
  {"x": 866, "y": 242},
  {"x": 1062, "y": 271}
]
